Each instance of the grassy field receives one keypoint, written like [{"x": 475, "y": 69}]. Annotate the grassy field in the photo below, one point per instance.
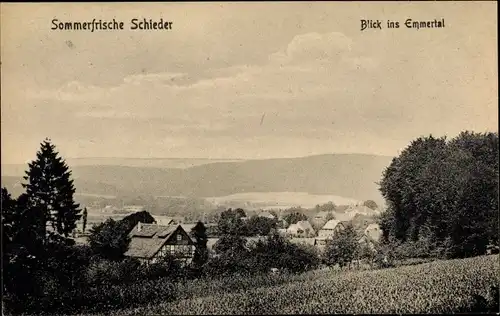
[
  {"x": 438, "y": 287},
  {"x": 274, "y": 200}
]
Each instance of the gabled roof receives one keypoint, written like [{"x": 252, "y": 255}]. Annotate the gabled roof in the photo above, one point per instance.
[
  {"x": 188, "y": 227},
  {"x": 372, "y": 226},
  {"x": 300, "y": 225},
  {"x": 331, "y": 224},
  {"x": 144, "y": 247},
  {"x": 147, "y": 241},
  {"x": 373, "y": 232},
  {"x": 344, "y": 217}
]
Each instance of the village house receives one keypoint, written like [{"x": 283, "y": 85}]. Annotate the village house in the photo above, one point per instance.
[
  {"x": 374, "y": 232},
  {"x": 331, "y": 228},
  {"x": 151, "y": 242},
  {"x": 301, "y": 229},
  {"x": 282, "y": 231},
  {"x": 371, "y": 236}
]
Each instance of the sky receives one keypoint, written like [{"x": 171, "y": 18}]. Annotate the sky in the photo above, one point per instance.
[{"x": 244, "y": 80}]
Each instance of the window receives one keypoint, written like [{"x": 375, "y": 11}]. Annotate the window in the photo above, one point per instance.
[{"x": 179, "y": 237}]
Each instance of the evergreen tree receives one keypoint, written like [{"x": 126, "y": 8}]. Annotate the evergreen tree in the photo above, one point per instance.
[
  {"x": 50, "y": 191},
  {"x": 8, "y": 219},
  {"x": 199, "y": 233},
  {"x": 84, "y": 220}
]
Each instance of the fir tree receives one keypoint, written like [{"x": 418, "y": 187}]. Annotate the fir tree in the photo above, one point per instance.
[
  {"x": 199, "y": 233},
  {"x": 84, "y": 219},
  {"x": 50, "y": 192}
]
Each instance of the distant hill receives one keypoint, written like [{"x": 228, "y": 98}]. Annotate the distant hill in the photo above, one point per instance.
[
  {"x": 145, "y": 162},
  {"x": 347, "y": 175}
]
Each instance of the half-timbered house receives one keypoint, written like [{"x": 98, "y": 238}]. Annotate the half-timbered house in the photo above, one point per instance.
[{"x": 151, "y": 242}]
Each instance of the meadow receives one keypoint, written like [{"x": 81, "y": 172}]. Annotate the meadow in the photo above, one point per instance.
[
  {"x": 276, "y": 200},
  {"x": 462, "y": 285}
]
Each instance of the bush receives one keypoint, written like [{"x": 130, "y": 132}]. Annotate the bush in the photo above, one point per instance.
[
  {"x": 112, "y": 272},
  {"x": 277, "y": 252}
]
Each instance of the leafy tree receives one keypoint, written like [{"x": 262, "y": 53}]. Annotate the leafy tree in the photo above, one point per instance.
[
  {"x": 444, "y": 193},
  {"x": 343, "y": 248},
  {"x": 262, "y": 226},
  {"x": 199, "y": 233},
  {"x": 366, "y": 252},
  {"x": 240, "y": 212},
  {"x": 370, "y": 204},
  {"x": 109, "y": 239},
  {"x": 295, "y": 217},
  {"x": 84, "y": 218},
  {"x": 132, "y": 220},
  {"x": 278, "y": 252},
  {"x": 327, "y": 207},
  {"x": 230, "y": 244},
  {"x": 230, "y": 222},
  {"x": 50, "y": 191},
  {"x": 329, "y": 216}
]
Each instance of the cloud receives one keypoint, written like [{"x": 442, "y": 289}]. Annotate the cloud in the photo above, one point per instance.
[
  {"x": 313, "y": 47},
  {"x": 154, "y": 78},
  {"x": 297, "y": 89},
  {"x": 314, "y": 87},
  {"x": 73, "y": 91}
]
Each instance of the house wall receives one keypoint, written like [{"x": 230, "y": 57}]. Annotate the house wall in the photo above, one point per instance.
[
  {"x": 179, "y": 245},
  {"x": 326, "y": 233},
  {"x": 330, "y": 232}
]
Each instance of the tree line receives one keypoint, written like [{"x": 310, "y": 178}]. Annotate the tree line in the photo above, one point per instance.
[{"x": 443, "y": 196}]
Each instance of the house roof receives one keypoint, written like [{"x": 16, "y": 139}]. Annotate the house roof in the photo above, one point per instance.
[
  {"x": 211, "y": 242},
  {"x": 373, "y": 231},
  {"x": 301, "y": 225},
  {"x": 344, "y": 217},
  {"x": 331, "y": 224},
  {"x": 372, "y": 226},
  {"x": 163, "y": 220},
  {"x": 147, "y": 241},
  {"x": 266, "y": 214},
  {"x": 188, "y": 227},
  {"x": 144, "y": 247}
]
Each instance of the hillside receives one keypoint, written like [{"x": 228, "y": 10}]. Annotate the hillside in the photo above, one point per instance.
[{"x": 347, "y": 175}]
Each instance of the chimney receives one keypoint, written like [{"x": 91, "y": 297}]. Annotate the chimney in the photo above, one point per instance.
[{"x": 139, "y": 227}]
